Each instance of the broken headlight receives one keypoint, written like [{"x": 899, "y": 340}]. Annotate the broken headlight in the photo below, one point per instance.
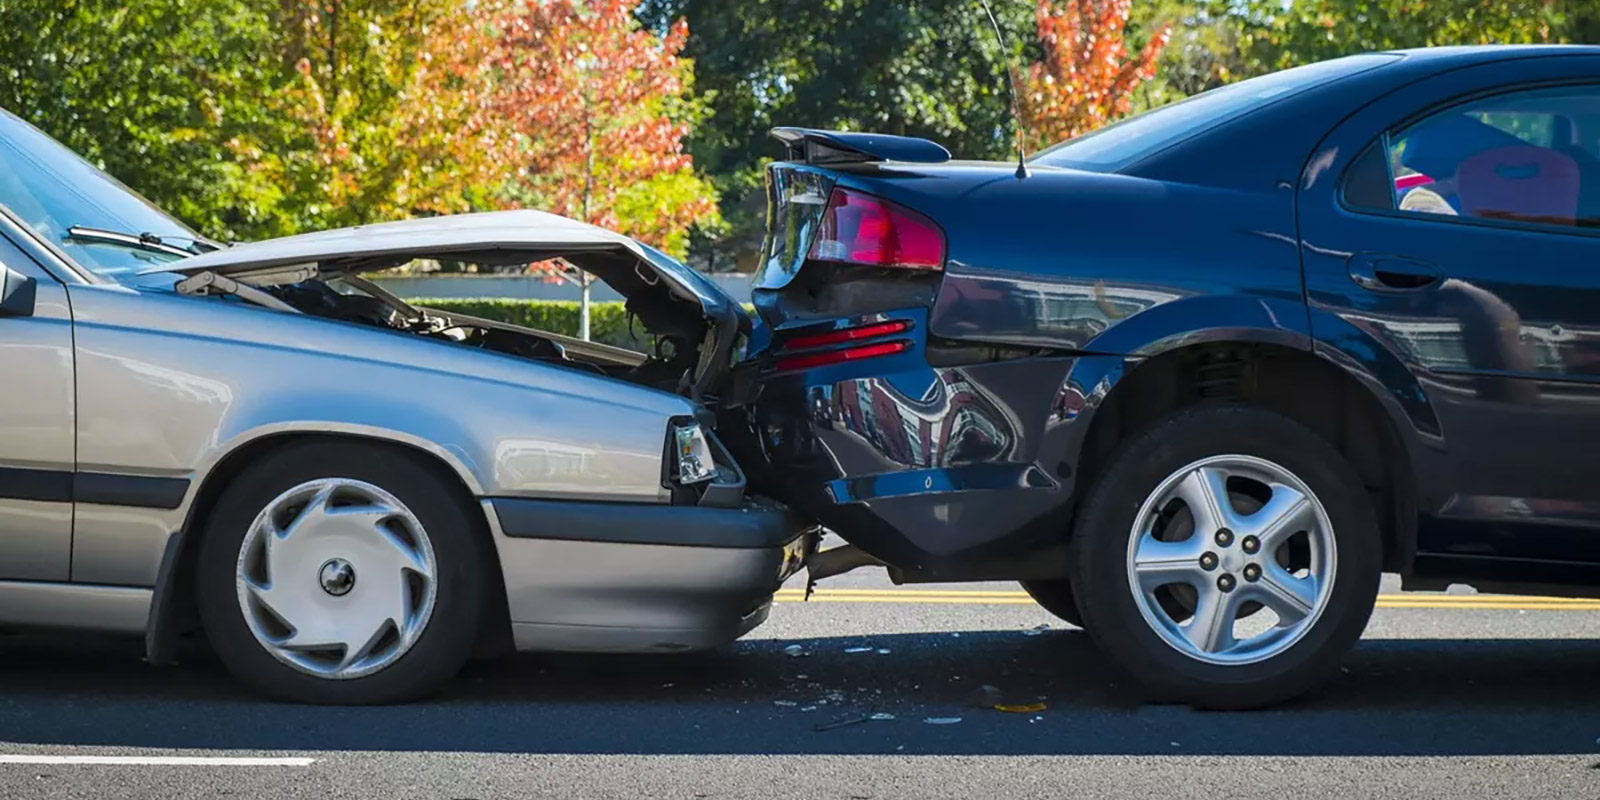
[{"x": 693, "y": 454}]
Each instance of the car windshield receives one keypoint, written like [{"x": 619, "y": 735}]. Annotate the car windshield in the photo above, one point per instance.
[
  {"x": 52, "y": 190},
  {"x": 1131, "y": 140}
]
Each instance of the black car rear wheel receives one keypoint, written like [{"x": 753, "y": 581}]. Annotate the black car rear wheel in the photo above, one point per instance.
[
  {"x": 1055, "y": 596},
  {"x": 1227, "y": 558}
]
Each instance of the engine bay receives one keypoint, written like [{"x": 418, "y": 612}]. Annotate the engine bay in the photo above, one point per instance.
[{"x": 668, "y": 367}]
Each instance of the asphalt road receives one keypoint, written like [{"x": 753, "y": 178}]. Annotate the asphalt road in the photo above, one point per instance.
[{"x": 1446, "y": 697}]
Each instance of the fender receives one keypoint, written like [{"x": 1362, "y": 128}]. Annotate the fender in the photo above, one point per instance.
[{"x": 162, "y": 625}]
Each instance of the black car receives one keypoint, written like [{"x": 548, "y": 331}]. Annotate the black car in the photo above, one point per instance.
[{"x": 1198, "y": 378}]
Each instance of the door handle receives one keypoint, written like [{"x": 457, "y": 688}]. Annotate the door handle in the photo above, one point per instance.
[{"x": 1386, "y": 273}]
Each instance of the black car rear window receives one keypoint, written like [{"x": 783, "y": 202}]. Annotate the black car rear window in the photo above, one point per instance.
[{"x": 1124, "y": 143}]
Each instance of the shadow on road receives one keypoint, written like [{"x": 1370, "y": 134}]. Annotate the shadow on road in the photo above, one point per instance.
[{"x": 1396, "y": 697}]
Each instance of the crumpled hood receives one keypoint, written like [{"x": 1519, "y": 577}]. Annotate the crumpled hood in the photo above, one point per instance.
[{"x": 516, "y": 236}]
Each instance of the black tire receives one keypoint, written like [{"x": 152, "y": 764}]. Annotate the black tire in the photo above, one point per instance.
[
  {"x": 1102, "y": 539},
  {"x": 1055, "y": 596},
  {"x": 455, "y": 528}
]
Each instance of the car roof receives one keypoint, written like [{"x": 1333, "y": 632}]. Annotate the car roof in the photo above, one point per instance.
[{"x": 1468, "y": 55}]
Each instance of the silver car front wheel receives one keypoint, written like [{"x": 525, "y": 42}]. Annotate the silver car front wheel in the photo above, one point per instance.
[
  {"x": 345, "y": 572},
  {"x": 336, "y": 578}
]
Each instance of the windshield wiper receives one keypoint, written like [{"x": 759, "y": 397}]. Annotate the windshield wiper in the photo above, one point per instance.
[{"x": 137, "y": 241}]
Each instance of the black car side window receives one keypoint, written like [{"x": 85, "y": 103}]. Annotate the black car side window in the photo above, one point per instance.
[
  {"x": 1368, "y": 184},
  {"x": 1529, "y": 156}
]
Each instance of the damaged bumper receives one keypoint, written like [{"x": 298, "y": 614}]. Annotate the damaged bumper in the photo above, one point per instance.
[{"x": 636, "y": 577}]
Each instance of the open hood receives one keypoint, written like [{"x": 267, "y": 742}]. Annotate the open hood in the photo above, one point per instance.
[
  {"x": 497, "y": 237},
  {"x": 662, "y": 292}
]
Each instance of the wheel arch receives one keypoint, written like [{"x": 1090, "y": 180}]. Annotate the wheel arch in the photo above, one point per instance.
[
  {"x": 172, "y": 606},
  {"x": 1276, "y": 375}
]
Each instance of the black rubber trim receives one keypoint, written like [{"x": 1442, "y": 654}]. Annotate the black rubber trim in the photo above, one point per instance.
[
  {"x": 49, "y": 486},
  {"x": 753, "y": 526},
  {"x": 129, "y": 490}
]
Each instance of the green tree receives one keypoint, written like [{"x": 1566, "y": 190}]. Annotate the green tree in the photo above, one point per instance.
[
  {"x": 150, "y": 91},
  {"x": 927, "y": 68}
]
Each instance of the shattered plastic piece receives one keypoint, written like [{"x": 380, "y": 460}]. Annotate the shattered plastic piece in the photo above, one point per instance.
[
  {"x": 858, "y": 649},
  {"x": 941, "y": 720},
  {"x": 882, "y": 716},
  {"x": 1036, "y": 630},
  {"x": 808, "y": 708},
  {"x": 795, "y": 651},
  {"x": 1027, "y": 709},
  {"x": 1175, "y": 744},
  {"x": 883, "y": 651},
  {"x": 839, "y": 723},
  {"x": 785, "y": 703}
]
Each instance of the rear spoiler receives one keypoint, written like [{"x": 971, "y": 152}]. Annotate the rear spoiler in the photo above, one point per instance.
[{"x": 813, "y": 146}]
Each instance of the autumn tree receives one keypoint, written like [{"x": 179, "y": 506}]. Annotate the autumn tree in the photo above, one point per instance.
[
  {"x": 1088, "y": 73},
  {"x": 601, "y": 107},
  {"x": 384, "y": 115}
]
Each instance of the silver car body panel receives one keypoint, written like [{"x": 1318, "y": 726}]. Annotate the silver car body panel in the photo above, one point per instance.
[
  {"x": 36, "y": 424},
  {"x": 108, "y": 609}
]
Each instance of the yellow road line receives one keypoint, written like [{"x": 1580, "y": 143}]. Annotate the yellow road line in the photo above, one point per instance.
[{"x": 978, "y": 597}]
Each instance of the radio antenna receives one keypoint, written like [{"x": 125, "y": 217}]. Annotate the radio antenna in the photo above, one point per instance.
[{"x": 1011, "y": 87}]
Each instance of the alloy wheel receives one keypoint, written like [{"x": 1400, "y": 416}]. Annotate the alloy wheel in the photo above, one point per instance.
[{"x": 1231, "y": 559}]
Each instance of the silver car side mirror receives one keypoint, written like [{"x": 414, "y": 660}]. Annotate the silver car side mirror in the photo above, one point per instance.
[{"x": 17, "y": 293}]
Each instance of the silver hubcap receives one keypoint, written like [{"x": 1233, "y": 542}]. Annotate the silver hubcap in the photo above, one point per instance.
[
  {"x": 298, "y": 578},
  {"x": 1231, "y": 559}
]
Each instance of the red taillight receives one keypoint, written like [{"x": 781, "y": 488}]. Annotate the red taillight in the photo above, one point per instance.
[
  {"x": 840, "y": 356},
  {"x": 845, "y": 336},
  {"x": 858, "y": 228}
]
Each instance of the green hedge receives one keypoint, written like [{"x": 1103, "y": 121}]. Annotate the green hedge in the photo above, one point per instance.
[{"x": 608, "y": 322}]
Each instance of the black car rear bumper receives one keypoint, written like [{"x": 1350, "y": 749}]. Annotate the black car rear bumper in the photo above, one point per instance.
[{"x": 948, "y": 471}]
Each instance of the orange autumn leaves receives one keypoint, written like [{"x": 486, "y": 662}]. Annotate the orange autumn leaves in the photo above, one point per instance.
[
  {"x": 600, "y": 110},
  {"x": 1087, "y": 76},
  {"x": 567, "y": 106}
]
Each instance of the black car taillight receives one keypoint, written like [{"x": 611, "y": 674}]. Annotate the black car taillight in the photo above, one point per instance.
[
  {"x": 789, "y": 360},
  {"x": 858, "y": 228}
]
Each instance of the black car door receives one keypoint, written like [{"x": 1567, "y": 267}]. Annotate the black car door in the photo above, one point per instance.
[{"x": 1454, "y": 225}]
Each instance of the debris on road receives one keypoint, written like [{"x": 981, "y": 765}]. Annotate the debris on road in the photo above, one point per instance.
[
  {"x": 795, "y": 651},
  {"x": 785, "y": 703},
  {"x": 1024, "y": 709},
  {"x": 854, "y": 650},
  {"x": 1036, "y": 630},
  {"x": 941, "y": 720},
  {"x": 882, "y": 716},
  {"x": 883, "y": 651},
  {"x": 839, "y": 723}
]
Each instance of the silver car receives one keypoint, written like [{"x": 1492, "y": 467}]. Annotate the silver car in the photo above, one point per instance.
[{"x": 347, "y": 494}]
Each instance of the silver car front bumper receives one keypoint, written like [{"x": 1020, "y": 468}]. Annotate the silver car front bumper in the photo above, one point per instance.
[{"x": 634, "y": 577}]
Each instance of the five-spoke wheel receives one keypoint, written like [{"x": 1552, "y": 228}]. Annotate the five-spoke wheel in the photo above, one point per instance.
[{"x": 1226, "y": 557}]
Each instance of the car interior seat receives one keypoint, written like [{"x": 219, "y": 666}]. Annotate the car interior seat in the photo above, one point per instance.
[{"x": 1527, "y": 183}]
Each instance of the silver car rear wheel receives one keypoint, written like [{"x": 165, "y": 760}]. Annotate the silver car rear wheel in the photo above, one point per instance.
[{"x": 336, "y": 578}]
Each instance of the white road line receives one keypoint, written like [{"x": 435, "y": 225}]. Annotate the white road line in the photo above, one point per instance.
[{"x": 160, "y": 761}]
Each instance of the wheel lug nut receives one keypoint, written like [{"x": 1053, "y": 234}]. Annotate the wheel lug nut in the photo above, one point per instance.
[
  {"x": 1224, "y": 537},
  {"x": 1251, "y": 544},
  {"x": 1225, "y": 582},
  {"x": 1252, "y": 573},
  {"x": 1208, "y": 561}
]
